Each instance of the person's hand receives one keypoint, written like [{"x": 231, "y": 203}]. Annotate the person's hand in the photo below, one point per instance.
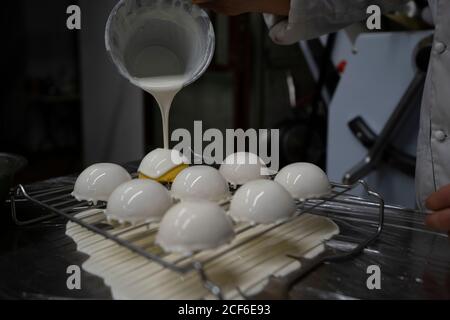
[
  {"x": 236, "y": 7},
  {"x": 228, "y": 7},
  {"x": 439, "y": 202}
]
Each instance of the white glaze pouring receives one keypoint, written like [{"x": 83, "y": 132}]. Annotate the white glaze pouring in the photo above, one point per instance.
[{"x": 160, "y": 46}]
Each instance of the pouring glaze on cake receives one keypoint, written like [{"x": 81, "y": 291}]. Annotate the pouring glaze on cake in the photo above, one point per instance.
[
  {"x": 161, "y": 75},
  {"x": 160, "y": 46}
]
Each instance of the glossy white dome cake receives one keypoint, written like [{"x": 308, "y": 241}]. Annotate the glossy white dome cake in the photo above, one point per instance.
[
  {"x": 242, "y": 167},
  {"x": 304, "y": 181},
  {"x": 200, "y": 182},
  {"x": 162, "y": 165},
  {"x": 262, "y": 202},
  {"x": 97, "y": 182},
  {"x": 192, "y": 226},
  {"x": 138, "y": 201}
]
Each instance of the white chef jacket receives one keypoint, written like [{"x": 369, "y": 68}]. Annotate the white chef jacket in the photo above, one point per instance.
[{"x": 311, "y": 18}]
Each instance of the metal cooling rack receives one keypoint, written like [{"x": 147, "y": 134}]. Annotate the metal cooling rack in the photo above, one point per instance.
[{"x": 59, "y": 202}]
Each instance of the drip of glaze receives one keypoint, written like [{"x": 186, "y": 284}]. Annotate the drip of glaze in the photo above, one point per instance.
[{"x": 160, "y": 72}]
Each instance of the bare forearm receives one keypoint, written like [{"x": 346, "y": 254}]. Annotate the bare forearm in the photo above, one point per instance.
[
  {"x": 278, "y": 7},
  {"x": 235, "y": 7}
]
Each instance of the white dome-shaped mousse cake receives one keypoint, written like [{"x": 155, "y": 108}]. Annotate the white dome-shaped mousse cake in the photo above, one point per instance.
[
  {"x": 200, "y": 182},
  {"x": 262, "y": 202},
  {"x": 192, "y": 226},
  {"x": 242, "y": 167},
  {"x": 97, "y": 182},
  {"x": 138, "y": 201},
  {"x": 162, "y": 165},
  {"x": 304, "y": 181}
]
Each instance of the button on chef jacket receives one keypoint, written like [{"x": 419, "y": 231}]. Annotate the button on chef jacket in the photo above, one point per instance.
[{"x": 312, "y": 18}]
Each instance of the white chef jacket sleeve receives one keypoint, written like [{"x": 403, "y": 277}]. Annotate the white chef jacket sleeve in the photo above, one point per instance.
[{"x": 312, "y": 18}]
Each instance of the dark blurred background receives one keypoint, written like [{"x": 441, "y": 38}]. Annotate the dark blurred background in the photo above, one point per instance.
[{"x": 40, "y": 112}]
